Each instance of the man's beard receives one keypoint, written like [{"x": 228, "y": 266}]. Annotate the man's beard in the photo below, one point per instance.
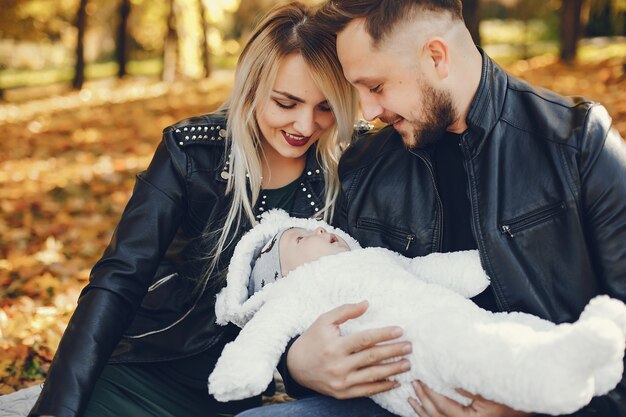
[{"x": 437, "y": 114}]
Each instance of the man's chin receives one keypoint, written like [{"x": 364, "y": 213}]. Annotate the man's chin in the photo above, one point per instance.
[
  {"x": 414, "y": 139},
  {"x": 409, "y": 138},
  {"x": 410, "y": 142}
]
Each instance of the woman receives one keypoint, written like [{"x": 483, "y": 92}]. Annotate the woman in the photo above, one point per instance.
[{"x": 143, "y": 338}]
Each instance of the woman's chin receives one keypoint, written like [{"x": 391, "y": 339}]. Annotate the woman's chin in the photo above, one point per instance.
[{"x": 292, "y": 152}]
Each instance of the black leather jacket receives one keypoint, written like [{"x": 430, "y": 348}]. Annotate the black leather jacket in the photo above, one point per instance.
[
  {"x": 547, "y": 188},
  {"x": 140, "y": 304}
]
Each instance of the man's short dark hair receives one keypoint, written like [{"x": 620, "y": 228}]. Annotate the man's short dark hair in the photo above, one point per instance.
[{"x": 380, "y": 15}]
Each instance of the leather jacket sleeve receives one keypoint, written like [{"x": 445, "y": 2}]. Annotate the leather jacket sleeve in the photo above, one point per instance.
[
  {"x": 292, "y": 388},
  {"x": 603, "y": 183},
  {"x": 603, "y": 189},
  {"x": 118, "y": 282}
]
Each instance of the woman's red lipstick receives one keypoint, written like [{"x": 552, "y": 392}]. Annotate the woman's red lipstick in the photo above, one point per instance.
[{"x": 295, "y": 142}]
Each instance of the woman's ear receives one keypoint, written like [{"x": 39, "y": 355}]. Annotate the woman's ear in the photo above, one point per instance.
[{"x": 436, "y": 50}]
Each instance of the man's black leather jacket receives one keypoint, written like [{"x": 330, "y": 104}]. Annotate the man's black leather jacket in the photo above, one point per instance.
[
  {"x": 547, "y": 188},
  {"x": 140, "y": 304}
]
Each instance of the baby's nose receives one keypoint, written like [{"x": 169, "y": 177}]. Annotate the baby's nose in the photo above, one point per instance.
[{"x": 320, "y": 230}]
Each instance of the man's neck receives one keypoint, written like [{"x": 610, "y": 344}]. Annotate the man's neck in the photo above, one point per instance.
[{"x": 466, "y": 86}]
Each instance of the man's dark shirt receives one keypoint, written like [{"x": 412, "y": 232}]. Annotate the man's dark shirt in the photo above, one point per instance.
[{"x": 451, "y": 178}]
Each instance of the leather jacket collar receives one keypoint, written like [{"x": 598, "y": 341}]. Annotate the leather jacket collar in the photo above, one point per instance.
[{"x": 487, "y": 105}]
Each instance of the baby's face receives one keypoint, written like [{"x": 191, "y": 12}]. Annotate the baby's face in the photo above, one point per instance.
[{"x": 299, "y": 246}]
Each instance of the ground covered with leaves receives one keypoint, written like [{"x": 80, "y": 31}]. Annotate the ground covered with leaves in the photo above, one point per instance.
[{"x": 67, "y": 167}]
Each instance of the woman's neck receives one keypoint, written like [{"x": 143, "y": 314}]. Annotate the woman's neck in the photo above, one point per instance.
[{"x": 277, "y": 170}]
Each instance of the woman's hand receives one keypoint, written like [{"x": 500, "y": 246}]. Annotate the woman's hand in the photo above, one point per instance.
[
  {"x": 432, "y": 404},
  {"x": 346, "y": 366}
]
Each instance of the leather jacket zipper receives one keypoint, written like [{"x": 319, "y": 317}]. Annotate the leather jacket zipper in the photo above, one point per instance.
[
  {"x": 371, "y": 224},
  {"x": 517, "y": 224},
  {"x": 429, "y": 165},
  {"x": 161, "y": 281},
  {"x": 162, "y": 329},
  {"x": 467, "y": 162}
]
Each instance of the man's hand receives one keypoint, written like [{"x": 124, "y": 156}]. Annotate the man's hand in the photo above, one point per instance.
[
  {"x": 432, "y": 404},
  {"x": 346, "y": 366}
]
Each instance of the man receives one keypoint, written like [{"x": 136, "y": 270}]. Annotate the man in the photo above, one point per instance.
[{"x": 474, "y": 158}]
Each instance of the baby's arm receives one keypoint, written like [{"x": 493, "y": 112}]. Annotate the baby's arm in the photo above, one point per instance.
[
  {"x": 246, "y": 365},
  {"x": 460, "y": 272}
]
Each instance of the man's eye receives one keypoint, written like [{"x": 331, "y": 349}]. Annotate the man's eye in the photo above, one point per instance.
[
  {"x": 283, "y": 105},
  {"x": 377, "y": 89},
  {"x": 298, "y": 239}
]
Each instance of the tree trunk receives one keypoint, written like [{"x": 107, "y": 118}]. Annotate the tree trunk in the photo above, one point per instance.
[
  {"x": 81, "y": 24},
  {"x": 570, "y": 29},
  {"x": 170, "y": 47},
  {"x": 471, "y": 15},
  {"x": 121, "y": 51},
  {"x": 205, "y": 41}
]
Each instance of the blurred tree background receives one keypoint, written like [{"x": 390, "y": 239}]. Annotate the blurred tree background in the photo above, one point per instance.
[
  {"x": 87, "y": 85},
  {"x": 46, "y": 42}
]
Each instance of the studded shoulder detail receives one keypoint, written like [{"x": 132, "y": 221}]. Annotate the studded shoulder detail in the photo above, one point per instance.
[
  {"x": 362, "y": 126},
  {"x": 204, "y": 133}
]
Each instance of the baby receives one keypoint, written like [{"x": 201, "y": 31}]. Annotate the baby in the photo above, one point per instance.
[
  {"x": 515, "y": 359},
  {"x": 296, "y": 246}
]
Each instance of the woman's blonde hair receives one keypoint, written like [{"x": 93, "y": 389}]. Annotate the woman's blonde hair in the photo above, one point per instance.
[{"x": 287, "y": 29}]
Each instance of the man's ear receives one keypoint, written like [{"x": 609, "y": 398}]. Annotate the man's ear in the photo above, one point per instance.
[{"x": 436, "y": 51}]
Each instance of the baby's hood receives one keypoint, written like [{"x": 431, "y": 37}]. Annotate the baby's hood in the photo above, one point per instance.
[{"x": 232, "y": 304}]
